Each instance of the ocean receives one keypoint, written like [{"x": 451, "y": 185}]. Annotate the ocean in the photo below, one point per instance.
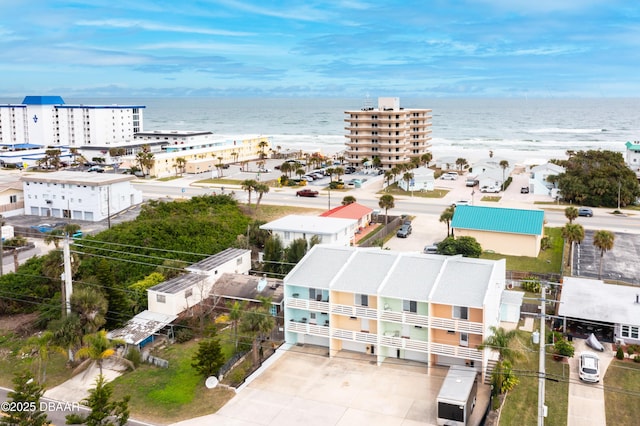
[{"x": 518, "y": 129}]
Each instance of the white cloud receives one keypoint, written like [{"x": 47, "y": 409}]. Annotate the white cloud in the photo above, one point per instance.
[{"x": 153, "y": 26}]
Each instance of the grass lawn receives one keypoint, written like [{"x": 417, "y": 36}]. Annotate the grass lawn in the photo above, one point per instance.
[
  {"x": 521, "y": 405},
  {"x": 548, "y": 261},
  {"x": 394, "y": 190},
  {"x": 169, "y": 178},
  {"x": 621, "y": 389},
  {"x": 167, "y": 395},
  {"x": 268, "y": 212},
  {"x": 12, "y": 362},
  {"x": 491, "y": 198}
]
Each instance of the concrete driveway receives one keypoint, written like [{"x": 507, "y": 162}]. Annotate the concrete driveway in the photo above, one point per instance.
[
  {"x": 586, "y": 400},
  {"x": 305, "y": 387}
]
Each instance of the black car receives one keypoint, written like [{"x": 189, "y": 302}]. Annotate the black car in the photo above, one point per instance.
[{"x": 524, "y": 190}]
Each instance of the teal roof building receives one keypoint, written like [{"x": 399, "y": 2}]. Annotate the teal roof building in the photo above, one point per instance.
[{"x": 508, "y": 231}]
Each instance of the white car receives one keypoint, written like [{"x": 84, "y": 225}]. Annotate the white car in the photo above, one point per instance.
[
  {"x": 589, "y": 367},
  {"x": 449, "y": 176},
  {"x": 490, "y": 189},
  {"x": 460, "y": 203}
]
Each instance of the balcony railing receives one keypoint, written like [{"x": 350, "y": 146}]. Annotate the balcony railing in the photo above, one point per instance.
[
  {"x": 354, "y": 336},
  {"x": 312, "y": 329},
  {"x": 456, "y": 351},
  {"x": 457, "y": 325},
  {"x": 405, "y": 318},
  {"x": 403, "y": 343},
  {"x": 354, "y": 311},
  {"x": 307, "y": 304}
]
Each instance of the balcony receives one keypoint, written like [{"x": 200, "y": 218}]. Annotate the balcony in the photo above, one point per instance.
[
  {"x": 405, "y": 318},
  {"x": 403, "y": 343},
  {"x": 354, "y": 311},
  {"x": 304, "y": 328},
  {"x": 457, "y": 325},
  {"x": 354, "y": 336},
  {"x": 456, "y": 351},
  {"x": 307, "y": 304}
]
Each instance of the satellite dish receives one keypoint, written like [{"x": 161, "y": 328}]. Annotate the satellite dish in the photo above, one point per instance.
[{"x": 211, "y": 382}]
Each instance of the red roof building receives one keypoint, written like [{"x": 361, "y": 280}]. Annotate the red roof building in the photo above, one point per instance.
[{"x": 351, "y": 211}]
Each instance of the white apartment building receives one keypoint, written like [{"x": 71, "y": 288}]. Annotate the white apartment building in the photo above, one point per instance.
[
  {"x": 48, "y": 121},
  {"x": 389, "y": 132},
  {"x": 78, "y": 195}
]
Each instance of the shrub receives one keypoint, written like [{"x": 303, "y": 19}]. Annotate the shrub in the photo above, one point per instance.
[
  {"x": 564, "y": 348},
  {"x": 636, "y": 358},
  {"x": 237, "y": 375},
  {"x": 531, "y": 284},
  {"x": 553, "y": 337},
  {"x": 620, "y": 353},
  {"x": 545, "y": 243},
  {"x": 184, "y": 335},
  {"x": 134, "y": 356},
  {"x": 74, "y": 419},
  {"x": 630, "y": 350}
]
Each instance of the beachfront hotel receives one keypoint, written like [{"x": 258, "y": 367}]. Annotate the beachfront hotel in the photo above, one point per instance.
[
  {"x": 47, "y": 121},
  {"x": 388, "y": 132}
]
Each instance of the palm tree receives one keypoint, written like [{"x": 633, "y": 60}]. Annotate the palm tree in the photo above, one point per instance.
[
  {"x": 330, "y": 172},
  {"x": 286, "y": 168},
  {"x": 446, "y": 217},
  {"x": 571, "y": 213},
  {"x": 572, "y": 232},
  {"x": 386, "y": 202},
  {"x": 500, "y": 340},
  {"x": 348, "y": 199},
  {"x": 41, "y": 345},
  {"x": 603, "y": 240},
  {"x": 261, "y": 189},
  {"x": 426, "y": 158},
  {"x": 234, "y": 154},
  {"x": 462, "y": 163},
  {"x": 338, "y": 171},
  {"x": 236, "y": 309},
  {"x": 97, "y": 347},
  {"x": 180, "y": 164},
  {"x": 407, "y": 178},
  {"x": 91, "y": 307},
  {"x": 219, "y": 166},
  {"x": 258, "y": 321},
  {"x": 249, "y": 185},
  {"x": 504, "y": 164},
  {"x": 395, "y": 171}
]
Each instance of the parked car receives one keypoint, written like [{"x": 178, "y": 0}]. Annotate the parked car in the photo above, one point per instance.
[
  {"x": 490, "y": 189},
  {"x": 404, "y": 231},
  {"x": 449, "y": 176},
  {"x": 585, "y": 211},
  {"x": 460, "y": 203},
  {"x": 97, "y": 169},
  {"x": 354, "y": 182},
  {"x": 307, "y": 178},
  {"x": 307, "y": 193},
  {"x": 589, "y": 367},
  {"x": 524, "y": 190},
  {"x": 432, "y": 249}
]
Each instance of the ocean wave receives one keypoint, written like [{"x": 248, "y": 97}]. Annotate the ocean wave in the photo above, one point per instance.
[{"x": 565, "y": 130}]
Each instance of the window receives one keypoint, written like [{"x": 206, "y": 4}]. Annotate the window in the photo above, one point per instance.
[
  {"x": 630, "y": 331},
  {"x": 461, "y": 312},
  {"x": 362, "y": 300},
  {"x": 239, "y": 261},
  {"x": 13, "y": 198},
  {"x": 188, "y": 293},
  {"x": 161, "y": 298},
  {"x": 410, "y": 306}
]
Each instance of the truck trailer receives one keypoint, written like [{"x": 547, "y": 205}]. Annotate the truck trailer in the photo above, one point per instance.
[{"x": 457, "y": 396}]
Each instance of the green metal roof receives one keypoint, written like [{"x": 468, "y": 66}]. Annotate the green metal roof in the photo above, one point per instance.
[
  {"x": 633, "y": 146},
  {"x": 513, "y": 221}
]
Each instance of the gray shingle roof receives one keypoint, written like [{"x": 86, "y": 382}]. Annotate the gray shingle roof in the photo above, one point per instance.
[
  {"x": 178, "y": 284},
  {"x": 217, "y": 260}
]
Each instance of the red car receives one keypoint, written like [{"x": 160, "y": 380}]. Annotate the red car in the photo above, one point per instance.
[{"x": 307, "y": 193}]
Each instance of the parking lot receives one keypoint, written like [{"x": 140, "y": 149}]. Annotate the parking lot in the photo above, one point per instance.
[
  {"x": 305, "y": 387},
  {"x": 620, "y": 263}
]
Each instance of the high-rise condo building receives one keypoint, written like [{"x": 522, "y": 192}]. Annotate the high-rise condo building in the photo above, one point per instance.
[{"x": 390, "y": 133}]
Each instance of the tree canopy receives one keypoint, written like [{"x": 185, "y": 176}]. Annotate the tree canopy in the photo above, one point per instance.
[
  {"x": 594, "y": 177},
  {"x": 466, "y": 246}
]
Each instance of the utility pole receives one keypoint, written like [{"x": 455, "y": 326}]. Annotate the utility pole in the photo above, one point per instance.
[
  {"x": 619, "y": 188},
  {"x": 68, "y": 287},
  {"x": 1, "y": 248},
  {"x": 541, "y": 366}
]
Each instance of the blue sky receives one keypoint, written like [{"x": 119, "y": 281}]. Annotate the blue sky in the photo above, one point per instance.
[{"x": 308, "y": 48}]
